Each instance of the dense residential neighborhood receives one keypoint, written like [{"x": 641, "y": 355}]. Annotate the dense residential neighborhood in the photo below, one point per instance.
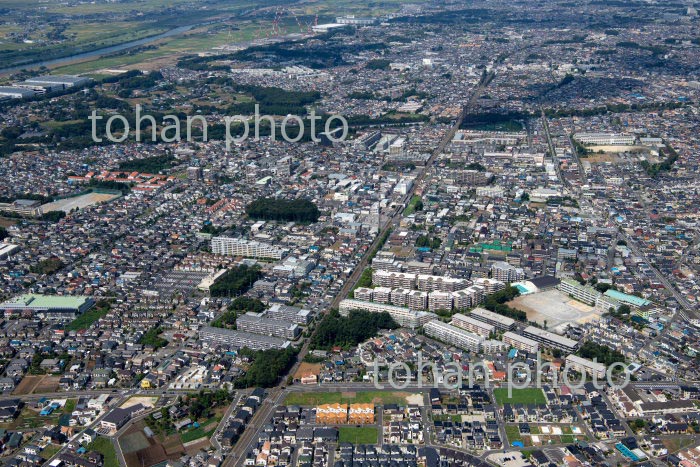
[{"x": 476, "y": 244}]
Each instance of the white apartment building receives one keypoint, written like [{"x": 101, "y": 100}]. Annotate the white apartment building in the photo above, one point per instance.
[
  {"x": 520, "y": 342},
  {"x": 453, "y": 335},
  {"x": 472, "y": 325},
  {"x": 584, "y": 365},
  {"x": 403, "y": 316},
  {"x": 248, "y": 248}
]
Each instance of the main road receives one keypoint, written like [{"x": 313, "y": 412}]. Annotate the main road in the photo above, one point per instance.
[{"x": 244, "y": 444}]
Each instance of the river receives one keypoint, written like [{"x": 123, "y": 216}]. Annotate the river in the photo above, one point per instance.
[{"x": 103, "y": 51}]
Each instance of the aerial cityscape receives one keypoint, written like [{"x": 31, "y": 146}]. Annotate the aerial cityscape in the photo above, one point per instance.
[{"x": 336, "y": 233}]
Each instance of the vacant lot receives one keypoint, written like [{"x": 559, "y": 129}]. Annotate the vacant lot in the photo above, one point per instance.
[
  {"x": 47, "y": 384},
  {"x": 307, "y": 369},
  {"x": 554, "y": 307},
  {"x": 358, "y": 435},
  {"x": 27, "y": 385},
  {"x": 68, "y": 204},
  {"x": 543, "y": 435},
  {"x": 519, "y": 396},
  {"x": 134, "y": 442},
  {"x": 317, "y": 398},
  {"x": 141, "y": 450}
]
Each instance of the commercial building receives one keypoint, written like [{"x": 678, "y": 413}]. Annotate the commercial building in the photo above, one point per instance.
[
  {"x": 584, "y": 365},
  {"x": 502, "y": 323},
  {"x": 51, "y": 307},
  {"x": 521, "y": 343},
  {"x": 549, "y": 339},
  {"x": 403, "y": 316},
  {"x": 238, "y": 339},
  {"x": 258, "y": 323},
  {"x": 472, "y": 325},
  {"x": 248, "y": 248},
  {"x": 453, "y": 335}
]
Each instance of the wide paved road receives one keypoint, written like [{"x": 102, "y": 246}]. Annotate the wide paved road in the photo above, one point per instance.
[{"x": 245, "y": 442}]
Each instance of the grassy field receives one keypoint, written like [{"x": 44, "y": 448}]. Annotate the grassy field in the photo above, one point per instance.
[
  {"x": 411, "y": 208},
  {"x": 358, "y": 435},
  {"x": 196, "y": 433},
  {"x": 318, "y": 398},
  {"x": 85, "y": 320},
  {"x": 519, "y": 396},
  {"x": 513, "y": 434},
  {"x": 50, "y": 450},
  {"x": 86, "y": 30},
  {"x": 105, "y": 447}
]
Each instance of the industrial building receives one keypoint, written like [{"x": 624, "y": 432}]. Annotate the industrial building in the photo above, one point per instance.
[
  {"x": 16, "y": 92},
  {"x": 56, "y": 83},
  {"x": 355, "y": 21},
  {"x": 50, "y": 307}
]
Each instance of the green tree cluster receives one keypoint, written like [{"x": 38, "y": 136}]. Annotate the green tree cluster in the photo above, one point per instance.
[
  {"x": 152, "y": 338},
  {"x": 268, "y": 367},
  {"x": 347, "y": 331},
  {"x": 602, "y": 353},
  {"x": 294, "y": 210},
  {"x": 235, "y": 281},
  {"x": 496, "y": 302}
]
